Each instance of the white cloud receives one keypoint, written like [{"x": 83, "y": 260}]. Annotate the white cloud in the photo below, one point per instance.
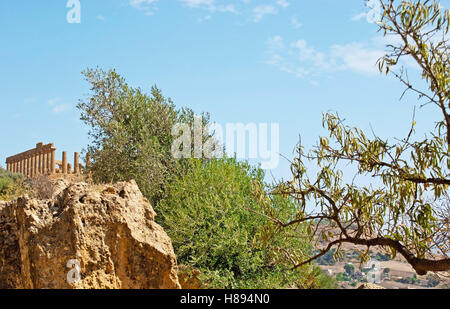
[
  {"x": 147, "y": 6},
  {"x": 283, "y": 3},
  {"x": 221, "y": 6},
  {"x": 58, "y": 107},
  {"x": 357, "y": 57},
  {"x": 295, "y": 23},
  {"x": 198, "y": 3},
  {"x": 262, "y": 10},
  {"x": 141, "y": 3},
  {"x": 359, "y": 16},
  {"x": 305, "y": 61},
  {"x": 205, "y": 18},
  {"x": 61, "y": 108},
  {"x": 210, "y": 5},
  {"x": 53, "y": 101}
]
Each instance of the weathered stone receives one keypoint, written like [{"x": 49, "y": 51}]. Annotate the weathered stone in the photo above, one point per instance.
[
  {"x": 76, "y": 162},
  {"x": 370, "y": 286},
  {"x": 109, "y": 230},
  {"x": 64, "y": 162}
]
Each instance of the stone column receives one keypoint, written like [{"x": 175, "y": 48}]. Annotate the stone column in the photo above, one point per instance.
[
  {"x": 35, "y": 164},
  {"x": 47, "y": 162},
  {"x": 52, "y": 162},
  {"x": 41, "y": 163},
  {"x": 32, "y": 166},
  {"x": 44, "y": 165},
  {"x": 64, "y": 162},
  {"x": 76, "y": 163},
  {"x": 27, "y": 167}
]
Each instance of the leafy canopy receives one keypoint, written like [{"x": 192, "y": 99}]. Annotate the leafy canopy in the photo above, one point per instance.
[{"x": 130, "y": 133}]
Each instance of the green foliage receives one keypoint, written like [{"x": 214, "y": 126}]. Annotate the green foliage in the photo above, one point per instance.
[
  {"x": 343, "y": 277},
  {"x": 349, "y": 269},
  {"x": 217, "y": 225},
  {"x": 131, "y": 133},
  {"x": 433, "y": 281},
  {"x": 382, "y": 257},
  {"x": 10, "y": 184},
  {"x": 328, "y": 258},
  {"x": 211, "y": 209},
  {"x": 411, "y": 280}
]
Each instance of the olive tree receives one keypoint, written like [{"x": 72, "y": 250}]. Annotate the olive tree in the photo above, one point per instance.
[{"x": 403, "y": 210}]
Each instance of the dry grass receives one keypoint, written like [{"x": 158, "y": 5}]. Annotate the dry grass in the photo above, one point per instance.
[{"x": 42, "y": 187}]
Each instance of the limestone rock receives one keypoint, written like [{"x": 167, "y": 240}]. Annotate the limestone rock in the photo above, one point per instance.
[
  {"x": 370, "y": 286},
  {"x": 109, "y": 230}
]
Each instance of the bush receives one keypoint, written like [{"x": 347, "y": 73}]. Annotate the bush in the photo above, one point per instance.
[
  {"x": 433, "y": 281},
  {"x": 131, "y": 133},
  {"x": 343, "y": 277},
  {"x": 349, "y": 269},
  {"x": 328, "y": 258},
  {"x": 382, "y": 257},
  {"x": 211, "y": 216},
  {"x": 411, "y": 280},
  {"x": 10, "y": 184}
]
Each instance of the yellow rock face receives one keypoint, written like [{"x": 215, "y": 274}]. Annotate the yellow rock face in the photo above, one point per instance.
[{"x": 85, "y": 237}]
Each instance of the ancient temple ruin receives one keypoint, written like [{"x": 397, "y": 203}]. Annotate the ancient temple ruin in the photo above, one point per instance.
[{"x": 42, "y": 161}]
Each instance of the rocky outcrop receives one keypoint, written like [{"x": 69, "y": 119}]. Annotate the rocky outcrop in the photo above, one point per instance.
[
  {"x": 85, "y": 237},
  {"x": 370, "y": 286}
]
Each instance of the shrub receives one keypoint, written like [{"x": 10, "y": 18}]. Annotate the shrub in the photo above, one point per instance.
[
  {"x": 328, "y": 258},
  {"x": 349, "y": 269},
  {"x": 217, "y": 225},
  {"x": 343, "y": 277},
  {"x": 11, "y": 184},
  {"x": 382, "y": 257},
  {"x": 433, "y": 281},
  {"x": 131, "y": 133}
]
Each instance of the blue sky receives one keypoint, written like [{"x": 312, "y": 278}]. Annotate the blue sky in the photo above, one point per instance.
[{"x": 284, "y": 61}]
